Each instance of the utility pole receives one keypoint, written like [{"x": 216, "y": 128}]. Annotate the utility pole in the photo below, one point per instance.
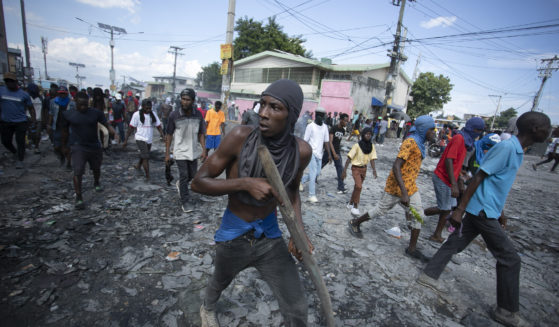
[
  {"x": 544, "y": 74},
  {"x": 175, "y": 51},
  {"x": 112, "y": 30},
  {"x": 78, "y": 77},
  {"x": 227, "y": 63},
  {"x": 395, "y": 58},
  {"x": 27, "y": 72},
  {"x": 44, "y": 43},
  {"x": 496, "y": 110}
]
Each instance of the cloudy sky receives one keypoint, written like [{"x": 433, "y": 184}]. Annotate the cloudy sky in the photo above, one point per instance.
[{"x": 500, "y": 53}]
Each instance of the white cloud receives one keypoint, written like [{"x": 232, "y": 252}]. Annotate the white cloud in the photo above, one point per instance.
[
  {"x": 439, "y": 21},
  {"x": 31, "y": 17},
  {"x": 96, "y": 56},
  {"x": 130, "y": 5}
]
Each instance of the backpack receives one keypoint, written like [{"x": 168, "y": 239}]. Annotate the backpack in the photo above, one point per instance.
[{"x": 130, "y": 105}]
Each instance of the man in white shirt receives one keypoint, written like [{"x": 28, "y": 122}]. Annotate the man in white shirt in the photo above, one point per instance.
[{"x": 317, "y": 136}]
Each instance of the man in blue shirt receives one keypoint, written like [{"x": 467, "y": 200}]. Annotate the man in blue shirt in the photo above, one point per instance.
[
  {"x": 483, "y": 203},
  {"x": 13, "y": 103}
]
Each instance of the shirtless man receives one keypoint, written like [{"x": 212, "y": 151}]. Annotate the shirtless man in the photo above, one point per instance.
[{"x": 249, "y": 235}]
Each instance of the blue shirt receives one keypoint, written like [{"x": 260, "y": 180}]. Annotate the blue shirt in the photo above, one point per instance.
[
  {"x": 501, "y": 164},
  {"x": 233, "y": 227},
  {"x": 13, "y": 105}
]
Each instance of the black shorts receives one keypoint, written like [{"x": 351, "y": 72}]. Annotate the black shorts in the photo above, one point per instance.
[
  {"x": 144, "y": 149},
  {"x": 81, "y": 156}
]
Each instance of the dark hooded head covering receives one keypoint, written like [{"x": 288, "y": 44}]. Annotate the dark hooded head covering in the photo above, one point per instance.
[
  {"x": 468, "y": 131},
  {"x": 366, "y": 146},
  {"x": 190, "y": 93},
  {"x": 283, "y": 147}
]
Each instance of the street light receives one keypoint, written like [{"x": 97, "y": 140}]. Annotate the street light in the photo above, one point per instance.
[
  {"x": 112, "y": 30},
  {"x": 78, "y": 77}
]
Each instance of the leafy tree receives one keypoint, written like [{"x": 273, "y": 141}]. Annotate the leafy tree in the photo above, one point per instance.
[
  {"x": 429, "y": 93},
  {"x": 210, "y": 77},
  {"x": 254, "y": 37},
  {"x": 502, "y": 120}
]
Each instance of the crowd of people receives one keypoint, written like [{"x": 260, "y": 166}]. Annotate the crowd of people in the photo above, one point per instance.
[{"x": 471, "y": 180}]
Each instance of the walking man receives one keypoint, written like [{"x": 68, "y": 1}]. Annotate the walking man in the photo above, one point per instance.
[
  {"x": 337, "y": 132},
  {"x": 482, "y": 204},
  {"x": 13, "y": 103},
  {"x": 216, "y": 126},
  {"x": 58, "y": 106},
  {"x": 318, "y": 138},
  {"x": 249, "y": 235},
  {"x": 81, "y": 126},
  {"x": 445, "y": 177},
  {"x": 187, "y": 129},
  {"x": 552, "y": 152},
  {"x": 401, "y": 187}
]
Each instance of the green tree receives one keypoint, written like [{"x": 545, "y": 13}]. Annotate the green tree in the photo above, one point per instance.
[
  {"x": 502, "y": 120},
  {"x": 210, "y": 77},
  {"x": 254, "y": 37},
  {"x": 429, "y": 93}
]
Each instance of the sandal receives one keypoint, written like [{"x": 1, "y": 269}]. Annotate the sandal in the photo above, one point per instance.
[{"x": 354, "y": 230}]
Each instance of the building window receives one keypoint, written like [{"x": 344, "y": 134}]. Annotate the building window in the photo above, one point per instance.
[{"x": 269, "y": 75}]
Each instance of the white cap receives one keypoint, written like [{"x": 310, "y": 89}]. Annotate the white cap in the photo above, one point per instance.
[
  {"x": 320, "y": 109},
  {"x": 118, "y": 96}
]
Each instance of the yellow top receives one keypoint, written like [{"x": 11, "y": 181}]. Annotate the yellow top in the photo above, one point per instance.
[
  {"x": 214, "y": 120},
  {"x": 358, "y": 158},
  {"x": 409, "y": 151}
]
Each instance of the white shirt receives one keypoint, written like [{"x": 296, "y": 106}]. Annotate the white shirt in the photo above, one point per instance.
[
  {"x": 144, "y": 132},
  {"x": 316, "y": 136}
]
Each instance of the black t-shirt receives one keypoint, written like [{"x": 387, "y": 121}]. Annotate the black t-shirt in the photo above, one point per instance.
[
  {"x": 338, "y": 133},
  {"x": 83, "y": 127}
]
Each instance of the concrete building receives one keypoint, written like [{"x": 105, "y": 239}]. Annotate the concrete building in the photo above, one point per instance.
[
  {"x": 163, "y": 85},
  {"x": 336, "y": 88}
]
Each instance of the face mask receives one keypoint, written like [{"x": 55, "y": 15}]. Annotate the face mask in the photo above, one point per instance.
[{"x": 319, "y": 119}]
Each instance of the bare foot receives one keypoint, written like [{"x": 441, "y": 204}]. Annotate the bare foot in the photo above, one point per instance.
[{"x": 437, "y": 239}]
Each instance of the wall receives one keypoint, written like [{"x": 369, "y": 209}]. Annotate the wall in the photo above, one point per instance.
[{"x": 336, "y": 96}]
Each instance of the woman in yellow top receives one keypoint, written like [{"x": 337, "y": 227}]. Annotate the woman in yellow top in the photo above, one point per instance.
[{"x": 360, "y": 154}]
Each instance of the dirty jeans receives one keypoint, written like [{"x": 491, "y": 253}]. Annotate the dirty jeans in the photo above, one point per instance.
[
  {"x": 339, "y": 170},
  {"x": 275, "y": 265},
  {"x": 8, "y": 131},
  {"x": 314, "y": 170},
  {"x": 187, "y": 170},
  {"x": 508, "y": 261}
]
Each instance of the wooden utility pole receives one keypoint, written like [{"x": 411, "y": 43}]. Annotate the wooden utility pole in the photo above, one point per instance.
[
  {"x": 395, "y": 58},
  {"x": 496, "y": 110},
  {"x": 44, "y": 43},
  {"x": 545, "y": 73},
  {"x": 175, "y": 50}
]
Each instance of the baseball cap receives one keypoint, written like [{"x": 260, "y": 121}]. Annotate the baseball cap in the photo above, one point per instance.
[
  {"x": 62, "y": 89},
  {"x": 10, "y": 75},
  {"x": 129, "y": 93},
  {"x": 118, "y": 96},
  {"x": 320, "y": 109}
]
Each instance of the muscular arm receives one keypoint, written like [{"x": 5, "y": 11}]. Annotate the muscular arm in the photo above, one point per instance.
[
  {"x": 448, "y": 164},
  {"x": 397, "y": 169},
  {"x": 373, "y": 168},
  {"x": 32, "y": 113},
  {"x": 168, "y": 140},
  {"x": 202, "y": 141},
  {"x": 332, "y": 150},
  {"x": 457, "y": 214}
]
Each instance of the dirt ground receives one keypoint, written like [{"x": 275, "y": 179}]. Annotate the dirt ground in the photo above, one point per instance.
[{"x": 109, "y": 265}]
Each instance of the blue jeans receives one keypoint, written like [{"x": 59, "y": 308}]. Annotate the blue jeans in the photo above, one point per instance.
[
  {"x": 120, "y": 126},
  {"x": 314, "y": 169},
  {"x": 339, "y": 170},
  {"x": 381, "y": 138},
  {"x": 272, "y": 259}
]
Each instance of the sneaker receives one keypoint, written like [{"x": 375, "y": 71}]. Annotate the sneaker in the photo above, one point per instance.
[
  {"x": 98, "y": 188},
  {"x": 79, "y": 205},
  {"x": 313, "y": 199},
  {"x": 301, "y": 187},
  {"x": 507, "y": 318},
  {"x": 187, "y": 207},
  {"x": 416, "y": 254},
  {"x": 349, "y": 205},
  {"x": 432, "y": 283},
  {"x": 208, "y": 318},
  {"x": 354, "y": 229},
  {"x": 37, "y": 151},
  {"x": 342, "y": 191},
  {"x": 355, "y": 212},
  {"x": 534, "y": 167},
  {"x": 19, "y": 164}
]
